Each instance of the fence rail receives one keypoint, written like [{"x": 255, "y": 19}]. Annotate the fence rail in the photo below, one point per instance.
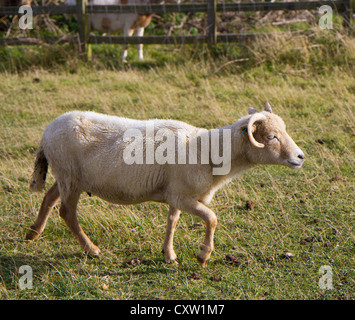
[
  {"x": 82, "y": 10},
  {"x": 182, "y": 8}
]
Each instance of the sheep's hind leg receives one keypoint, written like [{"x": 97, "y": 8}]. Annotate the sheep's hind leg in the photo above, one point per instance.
[
  {"x": 168, "y": 250},
  {"x": 47, "y": 205},
  {"x": 68, "y": 213},
  {"x": 197, "y": 208}
]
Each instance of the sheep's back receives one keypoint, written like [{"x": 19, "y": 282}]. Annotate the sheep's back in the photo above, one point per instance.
[{"x": 85, "y": 149}]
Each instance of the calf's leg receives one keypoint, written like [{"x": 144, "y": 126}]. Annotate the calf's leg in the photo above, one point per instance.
[
  {"x": 127, "y": 32},
  {"x": 140, "y": 33}
]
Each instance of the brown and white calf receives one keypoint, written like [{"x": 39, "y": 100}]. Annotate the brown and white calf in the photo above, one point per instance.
[{"x": 128, "y": 22}]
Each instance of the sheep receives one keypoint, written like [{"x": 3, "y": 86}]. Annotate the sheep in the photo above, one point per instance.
[
  {"x": 87, "y": 152},
  {"x": 128, "y": 22}
]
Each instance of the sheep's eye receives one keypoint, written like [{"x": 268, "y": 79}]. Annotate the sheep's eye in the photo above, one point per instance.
[{"x": 272, "y": 137}]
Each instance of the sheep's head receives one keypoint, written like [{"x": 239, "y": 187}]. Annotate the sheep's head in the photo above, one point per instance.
[{"x": 269, "y": 141}]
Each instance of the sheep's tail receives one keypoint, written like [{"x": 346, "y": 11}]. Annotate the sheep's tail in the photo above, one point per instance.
[{"x": 40, "y": 171}]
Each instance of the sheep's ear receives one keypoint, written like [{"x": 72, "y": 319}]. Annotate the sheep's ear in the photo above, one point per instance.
[
  {"x": 268, "y": 107},
  {"x": 252, "y": 110}
]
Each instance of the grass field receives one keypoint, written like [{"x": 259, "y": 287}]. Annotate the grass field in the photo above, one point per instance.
[{"x": 308, "y": 213}]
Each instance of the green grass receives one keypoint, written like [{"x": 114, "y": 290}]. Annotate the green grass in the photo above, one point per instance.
[{"x": 316, "y": 99}]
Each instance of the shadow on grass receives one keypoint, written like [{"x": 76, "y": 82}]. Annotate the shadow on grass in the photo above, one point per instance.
[{"x": 70, "y": 265}]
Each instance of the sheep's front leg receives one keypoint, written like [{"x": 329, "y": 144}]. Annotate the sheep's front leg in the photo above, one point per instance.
[
  {"x": 168, "y": 250},
  {"x": 197, "y": 208}
]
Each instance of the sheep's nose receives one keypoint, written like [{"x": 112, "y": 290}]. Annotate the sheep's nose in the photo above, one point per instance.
[{"x": 301, "y": 156}]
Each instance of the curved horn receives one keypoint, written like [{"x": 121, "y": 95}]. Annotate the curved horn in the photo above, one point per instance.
[{"x": 255, "y": 117}]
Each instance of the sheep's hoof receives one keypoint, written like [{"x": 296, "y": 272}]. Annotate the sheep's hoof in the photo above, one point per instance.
[
  {"x": 170, "y": 258},
  {"x": 93, "y": 251},
  {"x": 32, "y": 234},
  {"x": 172, "y": 261},
  {"x": 204, "y": 255},
  {"x": 202, "y": 262}
]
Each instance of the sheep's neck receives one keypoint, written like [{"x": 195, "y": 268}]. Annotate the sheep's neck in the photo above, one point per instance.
[{"x": 239, "y": 161}]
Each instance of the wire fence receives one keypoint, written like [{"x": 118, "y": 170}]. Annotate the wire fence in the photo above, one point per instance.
[{"x": 211, "y": 7}]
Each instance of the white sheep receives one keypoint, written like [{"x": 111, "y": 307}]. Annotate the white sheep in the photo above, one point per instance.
[{"x": 88, "y": 153}]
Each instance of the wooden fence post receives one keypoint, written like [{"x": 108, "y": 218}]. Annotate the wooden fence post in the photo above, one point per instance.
[
  {"x": 211, "y": 21},
  {"x": 83, "y": 28},
  {"x": 346, "y": 13}
]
